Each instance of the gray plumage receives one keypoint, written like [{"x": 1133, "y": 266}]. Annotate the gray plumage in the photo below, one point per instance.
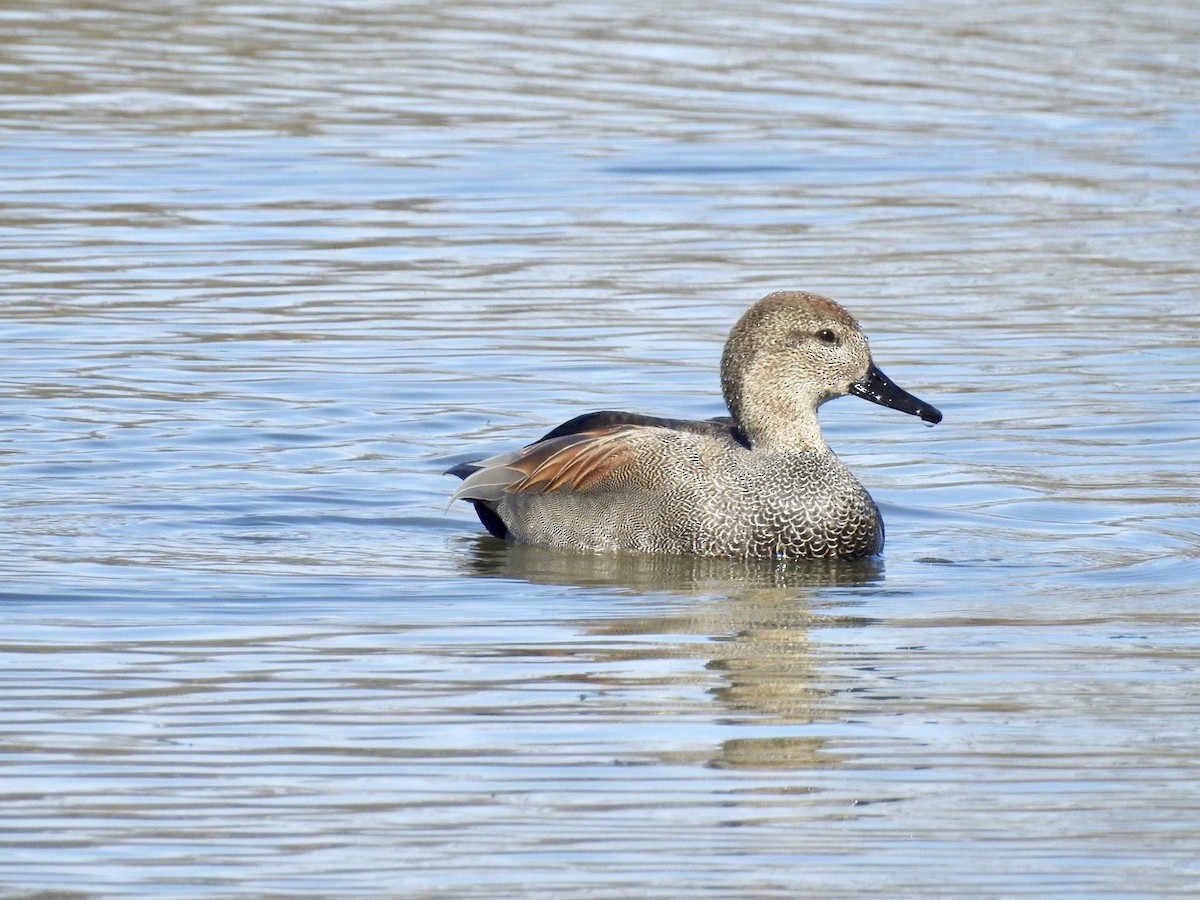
[{"x": 762, "y": 483}]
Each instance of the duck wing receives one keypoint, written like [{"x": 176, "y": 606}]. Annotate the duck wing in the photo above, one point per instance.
[
  {"x": 574, "y": 461},
  {"x": 721, "y": 426},
  {"x": 576, "y": 455}
]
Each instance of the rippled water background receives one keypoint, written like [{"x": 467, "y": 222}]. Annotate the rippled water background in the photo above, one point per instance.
[{"x": 268, "y": 269}]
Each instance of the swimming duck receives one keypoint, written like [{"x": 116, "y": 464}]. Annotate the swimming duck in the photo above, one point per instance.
[{"x": 758, "y": 483}]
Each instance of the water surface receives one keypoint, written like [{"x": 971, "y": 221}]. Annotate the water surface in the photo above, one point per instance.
[{"x": 270, "y": 269}]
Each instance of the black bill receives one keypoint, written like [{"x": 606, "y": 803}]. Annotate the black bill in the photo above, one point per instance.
[{"x": 878, "y": 388}]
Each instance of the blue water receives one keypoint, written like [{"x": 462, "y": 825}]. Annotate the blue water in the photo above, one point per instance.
[{"x": 269, "y": 271}]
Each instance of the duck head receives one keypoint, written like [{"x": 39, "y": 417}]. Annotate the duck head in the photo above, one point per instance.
[{"x": 793, "y": 351}]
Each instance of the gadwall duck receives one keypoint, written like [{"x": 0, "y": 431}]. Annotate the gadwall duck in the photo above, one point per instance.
[{"x": 759, "y": 484}]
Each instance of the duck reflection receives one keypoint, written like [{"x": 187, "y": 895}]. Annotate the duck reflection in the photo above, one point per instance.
[
  {"x": 639, "y": 573},
  {"x": 756, "y": 614}
]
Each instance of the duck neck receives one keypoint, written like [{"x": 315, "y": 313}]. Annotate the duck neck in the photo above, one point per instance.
[{"x": 781, "y": 429}]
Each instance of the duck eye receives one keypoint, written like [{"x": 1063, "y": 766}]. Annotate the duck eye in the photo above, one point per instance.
[{"x": 826, "y": 336}]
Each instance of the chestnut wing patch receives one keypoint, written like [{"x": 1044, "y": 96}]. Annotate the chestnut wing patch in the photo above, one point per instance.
[{"x": 575, "y": 462}]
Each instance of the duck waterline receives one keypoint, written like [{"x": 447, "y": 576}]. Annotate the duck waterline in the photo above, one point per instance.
[{"x": 759, "y": 483}]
